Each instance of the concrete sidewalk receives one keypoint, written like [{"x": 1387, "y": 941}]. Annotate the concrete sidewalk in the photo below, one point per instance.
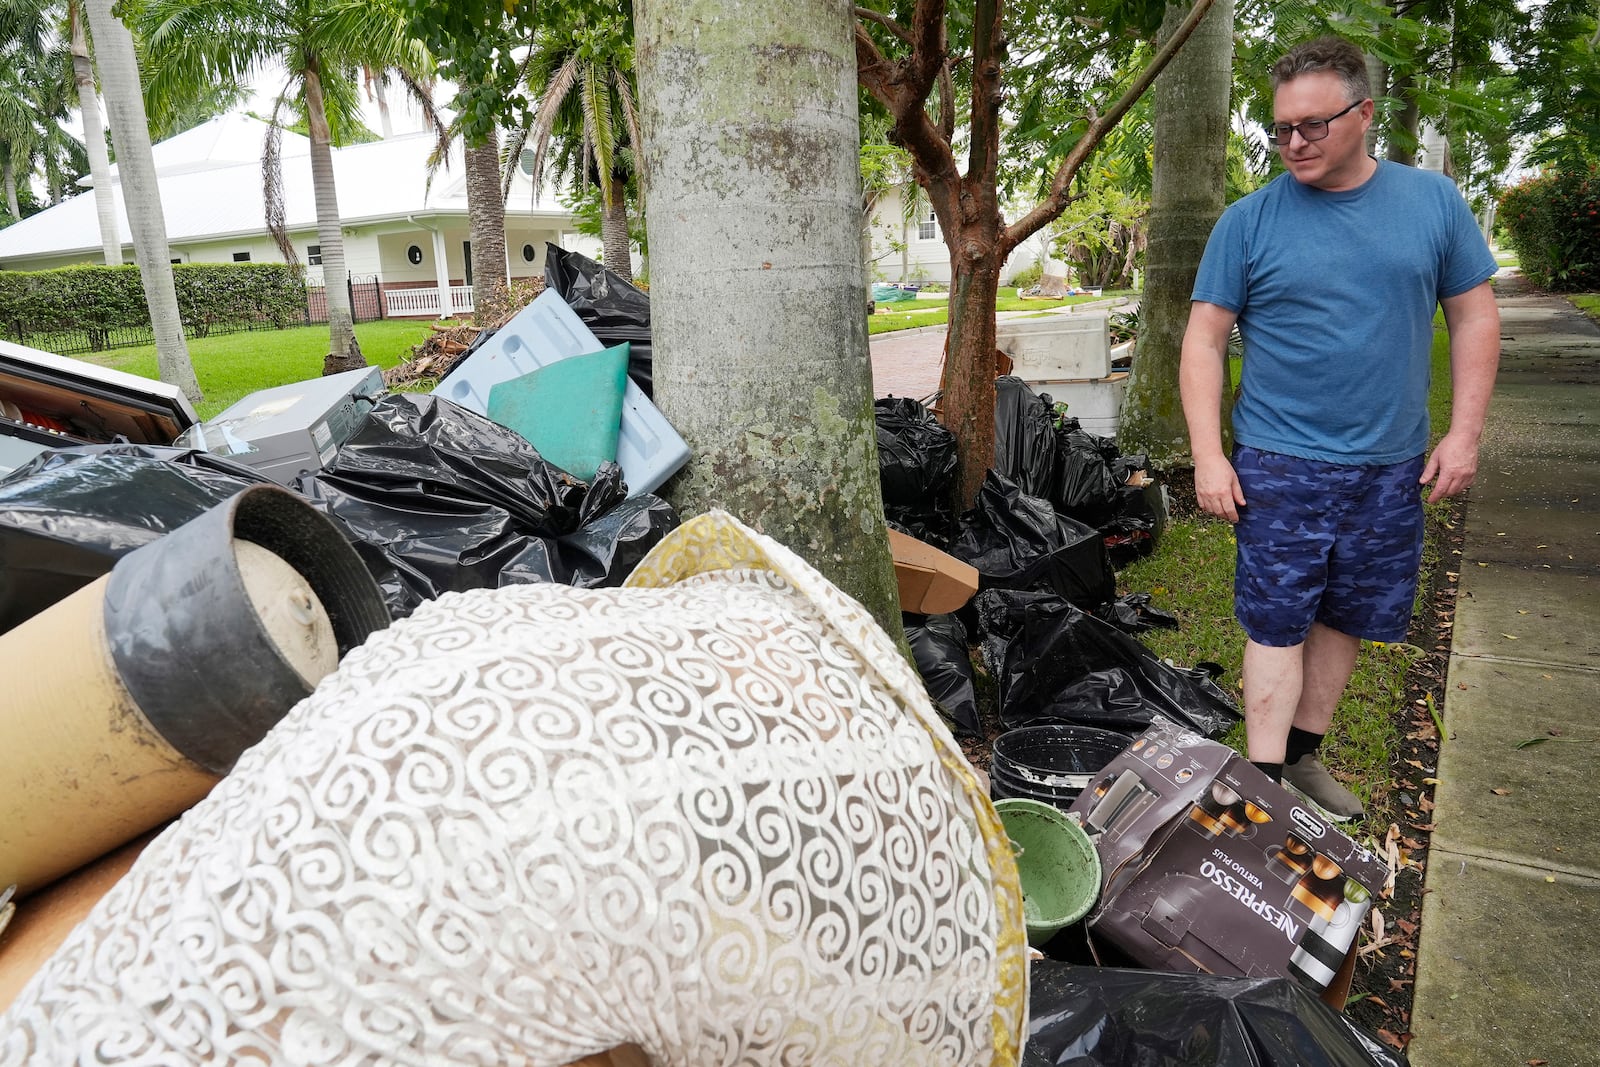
[{"x": 1509, "y": 963}]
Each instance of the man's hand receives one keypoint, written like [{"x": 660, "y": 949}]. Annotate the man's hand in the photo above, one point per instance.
[
  {"x": 1217, "y": 489},
  {"x": 1454, "y": 464}
]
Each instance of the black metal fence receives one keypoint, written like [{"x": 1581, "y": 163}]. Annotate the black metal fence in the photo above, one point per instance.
[{"x": 366, "y": 300}]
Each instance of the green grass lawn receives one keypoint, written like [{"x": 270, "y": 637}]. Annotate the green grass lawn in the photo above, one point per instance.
[
  {"x": 237, "y": 364},
  {"x": 1588, "y": 303},
  {"x": 927, "y": 312},
  {"x": 1191, "y": 575}
]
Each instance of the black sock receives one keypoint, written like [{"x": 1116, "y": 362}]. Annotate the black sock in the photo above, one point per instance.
[
  {"x": 1301, "y": 743},
  {"x": 1271, "y": 770}
]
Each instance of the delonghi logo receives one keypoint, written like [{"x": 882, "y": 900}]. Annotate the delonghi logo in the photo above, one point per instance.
[
  {"x": 1307, "y": 822},
  {"x": 1245, "y": 895}
]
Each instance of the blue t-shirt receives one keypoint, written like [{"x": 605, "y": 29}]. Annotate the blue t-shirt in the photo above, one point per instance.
[{"x": 1335, "y": 294}]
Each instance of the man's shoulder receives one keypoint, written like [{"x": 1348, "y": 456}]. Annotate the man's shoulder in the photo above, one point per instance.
[{"x": 1416, "y": 182}]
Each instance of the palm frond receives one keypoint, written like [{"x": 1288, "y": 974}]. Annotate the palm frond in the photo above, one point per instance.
[
  {"x": 272, "y": 184},
  {"x": 555, "y": 93},
  {"x": 597, "y": 128}
]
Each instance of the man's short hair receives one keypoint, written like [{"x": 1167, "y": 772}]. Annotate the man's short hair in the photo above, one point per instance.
[{"x": 1334, "y": 54}]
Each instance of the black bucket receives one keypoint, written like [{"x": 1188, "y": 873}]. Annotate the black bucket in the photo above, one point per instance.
[{"x": 1052, "y": 763}]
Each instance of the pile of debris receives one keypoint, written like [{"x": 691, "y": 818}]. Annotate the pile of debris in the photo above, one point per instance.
[{"x": 447, "y": 344}]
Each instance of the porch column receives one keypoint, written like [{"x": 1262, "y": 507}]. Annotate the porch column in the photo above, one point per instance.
[{"x": 441, "y": 273}]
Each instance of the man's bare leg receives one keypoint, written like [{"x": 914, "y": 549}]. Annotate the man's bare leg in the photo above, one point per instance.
[{"x": 1298, "y": 685}]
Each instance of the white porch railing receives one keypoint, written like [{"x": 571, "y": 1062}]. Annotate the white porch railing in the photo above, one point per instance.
[{"x": 424, "y": 303}]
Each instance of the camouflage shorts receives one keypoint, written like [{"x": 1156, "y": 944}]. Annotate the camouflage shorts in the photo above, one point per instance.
[{"x": 1325, "y": 542}]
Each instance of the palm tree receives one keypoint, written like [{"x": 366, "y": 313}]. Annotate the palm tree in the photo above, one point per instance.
[
  {"x": 323, "y": 44},
  {"x": 94, "y": 136},
  {"x": 581, "y": 72},
  {"x": 141, "y": 195}
]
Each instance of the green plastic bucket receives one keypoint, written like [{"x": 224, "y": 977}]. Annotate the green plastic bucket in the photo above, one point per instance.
[{"x": 1056, "y": 863}]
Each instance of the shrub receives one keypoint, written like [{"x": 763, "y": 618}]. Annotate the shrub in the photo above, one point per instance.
[
  {"x": 1553, "y": 221},
  {"x": 1028, "y": 276},
  {"x": 97, "y": 299}
]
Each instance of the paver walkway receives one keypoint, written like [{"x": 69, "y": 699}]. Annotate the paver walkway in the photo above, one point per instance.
[{"x": 1509, "y": 965}]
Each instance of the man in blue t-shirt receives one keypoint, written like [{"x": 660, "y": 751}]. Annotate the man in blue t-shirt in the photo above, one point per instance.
[{"x": 1332, "y": 272}]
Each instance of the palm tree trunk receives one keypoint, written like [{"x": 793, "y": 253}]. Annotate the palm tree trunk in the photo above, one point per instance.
[
  {"x": 343, "y": 351},
  {"x": 141, "y": 194},
  {"x": 490, "y": 292},
  {"x": 11, "y": 189},
  {"x": 614, "y": 230},
  {"x": 1191, "y": 166},
  {"x": 1403, "y": 137},
  {"x": 760, "y": 341},
  {"x": 94, "y": 140}
]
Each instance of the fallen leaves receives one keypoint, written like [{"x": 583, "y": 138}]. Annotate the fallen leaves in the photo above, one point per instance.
[{"x": 1501, "y": 792}]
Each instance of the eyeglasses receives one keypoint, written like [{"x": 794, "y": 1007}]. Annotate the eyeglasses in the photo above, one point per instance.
[{"x": 1279, "y": 133}]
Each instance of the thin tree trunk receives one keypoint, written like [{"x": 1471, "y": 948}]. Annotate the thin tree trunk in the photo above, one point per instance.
[
  {"x": 966, "y": 396},
  {"x": 1187, "y": 193},
  {"x": 490, "y": 291},
  {"x": 376, "y": 78},
  {"x": 614, "y": 230},
  {"x": 94, "y": 140},
  {"x": 1378, "y": 81},
  {"x": 344, "y": 353},
  {"x": 760, "y": 344},
  {"x": 141, "y": 194},
  {"x": 1403, "y": 137},
  {"x": 11, "y": 190}
]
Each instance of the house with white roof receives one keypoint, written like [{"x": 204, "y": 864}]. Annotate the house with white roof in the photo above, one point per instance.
[{"x": 408, "y": 229}]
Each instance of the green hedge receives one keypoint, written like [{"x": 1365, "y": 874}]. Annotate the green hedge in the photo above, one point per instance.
[
  {"x": 98, "y": 300},
  {"x": 1553, "y": 221}
]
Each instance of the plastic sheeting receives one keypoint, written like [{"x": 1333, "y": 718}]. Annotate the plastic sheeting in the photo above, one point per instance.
[
  {"x": 939, "y": 645},
  {"x": 1104, "y": 1017},
  {"x": 613, "y": 308},
  {"x": 916, "y": 463},
  {"x": 1018, "y": 541},
  {"x": 67, "y": 516},
  {"x": 1053, "y": 662},
  {"x": 436, "y": 498},
  {"x": 1134, "y": 614},
  {"x": 712, "y": 815}
]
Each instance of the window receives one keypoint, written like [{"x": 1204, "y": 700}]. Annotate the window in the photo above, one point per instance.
[
  {"x": 414, "y": 255},
  {"x": 466, "y": 257},
  {"x": 528, "y": 253},
  {"x": 928, "y": 228},
  {"x": 525, "y": 161},
  {"x": 241, "y": 257},
  {"x": 314, "y": 255}
]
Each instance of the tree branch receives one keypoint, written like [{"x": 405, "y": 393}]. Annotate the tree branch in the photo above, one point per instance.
[
  {"x": 1056, "y": 200},
  {"x": 988, "y": 52},
  {"x": 885, "y": 21},
  {"x": 927, "y": 48}
]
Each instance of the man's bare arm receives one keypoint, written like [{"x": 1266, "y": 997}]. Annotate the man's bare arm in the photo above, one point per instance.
[
  {"x": 1474, "y": 324},
  {"x": 1202, "y": 373}
]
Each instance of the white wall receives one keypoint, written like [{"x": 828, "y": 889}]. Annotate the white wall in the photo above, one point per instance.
[{"x": 919, "y": 258}]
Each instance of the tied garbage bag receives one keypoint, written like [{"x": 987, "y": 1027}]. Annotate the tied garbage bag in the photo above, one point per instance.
[
  {"x": 68, "y": 515},
  {"x": 916, "y": 462},
  {"x": 939, "y": 645},
  {"x": 1039, "y": 647},
  {"x": 1086, "y": 487},
  {"x": 436, "y": 498},
  {"x": 614, "y": 309},
  {"x": 1018, "y": 541},
  {"x": 1109, "y": 1017},
  {"x": 1024, "y": 437},
  {"x": 712, "y": 815}
]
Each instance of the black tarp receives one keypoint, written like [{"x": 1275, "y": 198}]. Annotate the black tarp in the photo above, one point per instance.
[{"x": 1024, "y": 437}]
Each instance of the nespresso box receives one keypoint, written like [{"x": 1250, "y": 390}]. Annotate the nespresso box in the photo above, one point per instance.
[{"x": 1208, "y": 866}]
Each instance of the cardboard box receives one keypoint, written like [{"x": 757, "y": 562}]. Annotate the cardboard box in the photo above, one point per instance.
[
  {"x": 931, "y": 582},
  {"x": 1211, "y": 867}
]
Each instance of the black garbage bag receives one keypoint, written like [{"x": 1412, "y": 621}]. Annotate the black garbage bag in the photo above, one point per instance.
[
  {"x": 1044, "y": 654},
  {"x": 607, "y": 548},
  {"x": 614, "y": 309},
  {"x": 436, "y": 498},
  {"x": 1135, "y": 530},
  {"x": 1024, "y": 437},
  {"x": 68, "y": 515},
  {"x": 1110, "y": 1017},
  {"x": 1086, "y": 488},
  {"x": 1134, "y": 614},
  {"x": 939, "y": 645},
  {"x": 1018, "y": 541},
  {"x": 916, "y": 462}
]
